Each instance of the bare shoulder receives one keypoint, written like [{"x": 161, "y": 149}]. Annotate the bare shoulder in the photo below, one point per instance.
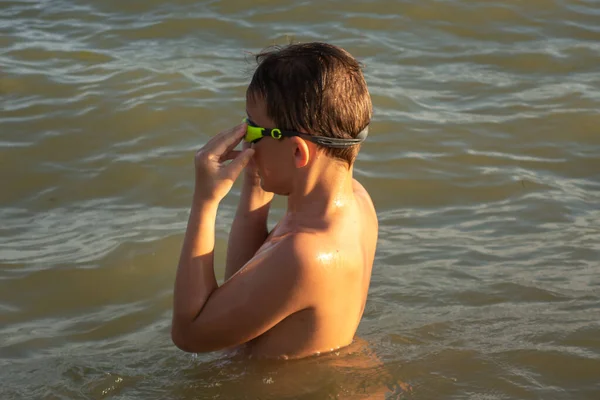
[
  {"x": 292, "y": 254},
  {"x": 302, "y": 248},
  {"x": 358, "y": 187},
  {"x": 361, "y": 193},
  {"x": 304, "y": 252}
]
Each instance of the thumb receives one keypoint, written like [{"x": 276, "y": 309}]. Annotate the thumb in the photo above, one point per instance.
[{"x": 239, "y": 163}]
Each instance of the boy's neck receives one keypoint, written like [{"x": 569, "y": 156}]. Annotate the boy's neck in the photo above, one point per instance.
[{"x": 320, "y": 190}]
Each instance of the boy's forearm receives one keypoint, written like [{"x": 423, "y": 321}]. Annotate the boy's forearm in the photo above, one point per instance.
[
  {"x": 195, "y": 278},
  {"x": 249, "y": 228}
]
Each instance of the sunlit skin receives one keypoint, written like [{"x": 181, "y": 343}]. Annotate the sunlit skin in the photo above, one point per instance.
[{"x": 295, "y": 292}]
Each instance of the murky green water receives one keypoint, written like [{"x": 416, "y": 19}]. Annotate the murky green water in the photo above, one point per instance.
[{"x": 483, "y": 162}]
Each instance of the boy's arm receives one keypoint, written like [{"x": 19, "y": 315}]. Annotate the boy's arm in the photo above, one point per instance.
[
  {"x": 245, "y": 306},
  {"x": 208, "y": 317},
  {"x": 249, "y": 228}
]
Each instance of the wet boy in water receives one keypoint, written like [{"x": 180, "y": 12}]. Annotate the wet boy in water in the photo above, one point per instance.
[{"x": 300, "y": 289}]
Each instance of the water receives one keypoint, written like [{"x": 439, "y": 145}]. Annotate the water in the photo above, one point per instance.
[{"x": 483, "y": 163}]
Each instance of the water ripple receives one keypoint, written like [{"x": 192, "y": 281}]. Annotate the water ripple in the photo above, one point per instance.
[{"x": 483, "y": 164}]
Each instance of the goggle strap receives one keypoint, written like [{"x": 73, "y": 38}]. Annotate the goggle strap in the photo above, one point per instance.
[{"x": 337, "y": 143}]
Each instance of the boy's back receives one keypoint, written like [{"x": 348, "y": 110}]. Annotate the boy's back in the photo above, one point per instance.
[{"x": 336, "y": 266}]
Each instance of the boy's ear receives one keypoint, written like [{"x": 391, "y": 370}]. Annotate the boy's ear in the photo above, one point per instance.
[{"x": 301, "y": 152}]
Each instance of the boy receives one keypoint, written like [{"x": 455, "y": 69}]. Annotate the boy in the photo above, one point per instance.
[{"x": 301, "y": 289}]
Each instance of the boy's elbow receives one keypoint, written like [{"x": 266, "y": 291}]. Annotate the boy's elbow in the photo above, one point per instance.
[
  {"x": 189, "y": 341},
  {"x": 182, "y": 339}
]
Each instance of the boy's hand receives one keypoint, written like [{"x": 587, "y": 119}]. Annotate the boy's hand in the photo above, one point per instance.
[
  {"x": 214, "y": 177},
  {"x": 251, "y": 171}
]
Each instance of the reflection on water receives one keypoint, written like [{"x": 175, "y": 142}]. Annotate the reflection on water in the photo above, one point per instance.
[{"x": 483, "y": 162}]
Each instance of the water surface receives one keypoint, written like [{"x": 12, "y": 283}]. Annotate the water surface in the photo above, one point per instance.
[{"x": 483, "y": 163}]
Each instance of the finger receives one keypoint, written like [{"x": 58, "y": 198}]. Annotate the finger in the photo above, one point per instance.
[
  {"x": 230, "y": 155},
  {"x": 226, "y": 140},
  {"x": 213, "y": 141},
  {"x": 232, "y": 139},
  {"x": 237, "y": 165}
]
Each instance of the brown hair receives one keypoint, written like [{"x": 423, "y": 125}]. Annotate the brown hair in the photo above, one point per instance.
[{"x": 316, "y": 88}]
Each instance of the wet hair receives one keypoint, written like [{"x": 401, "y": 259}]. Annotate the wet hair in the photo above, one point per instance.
[{"x": 315, "y": 88}]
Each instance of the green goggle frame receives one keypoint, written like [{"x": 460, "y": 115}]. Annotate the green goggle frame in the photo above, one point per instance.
[{"x": 254, "y": 133}]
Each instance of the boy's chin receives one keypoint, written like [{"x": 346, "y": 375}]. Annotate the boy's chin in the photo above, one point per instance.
[{"x": 270, "y": 189}]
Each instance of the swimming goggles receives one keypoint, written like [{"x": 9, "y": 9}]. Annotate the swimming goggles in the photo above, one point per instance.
[{"x": 254, "y": 133}]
